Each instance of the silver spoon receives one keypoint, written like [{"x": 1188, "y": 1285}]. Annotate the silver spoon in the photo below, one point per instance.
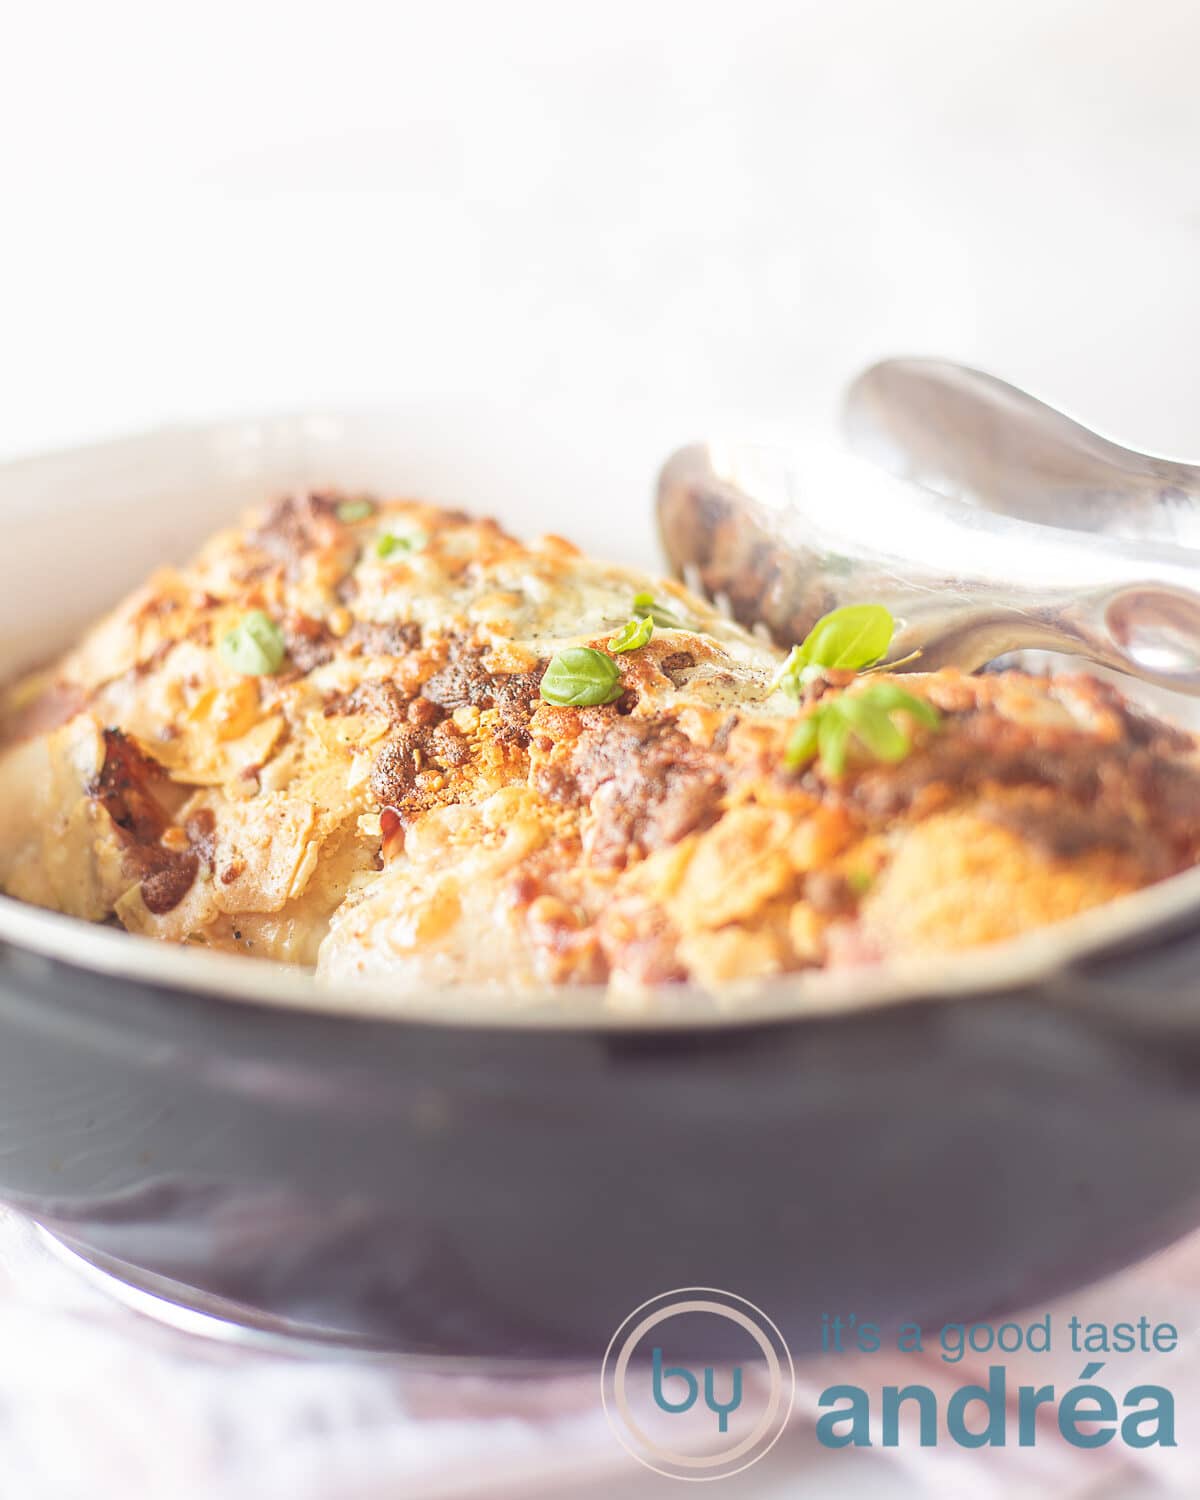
[
  {"x": 964, "y": 433},
  {"x": 780, "y": 540}
]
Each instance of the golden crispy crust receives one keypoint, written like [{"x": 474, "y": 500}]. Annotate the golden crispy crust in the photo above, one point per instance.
[{"x": 397, "y": 799}]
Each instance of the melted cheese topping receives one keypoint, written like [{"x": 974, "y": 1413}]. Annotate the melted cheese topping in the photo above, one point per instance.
[{"x": 398, "y": 801}]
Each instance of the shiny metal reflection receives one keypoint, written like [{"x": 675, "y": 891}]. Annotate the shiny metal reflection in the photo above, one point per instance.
[
  {"x": 781, "y": 539},
  {"x": 972, "y": 437}
]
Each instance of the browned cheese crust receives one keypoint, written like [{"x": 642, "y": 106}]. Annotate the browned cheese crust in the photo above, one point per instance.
[{"x": 398, "y": 801}]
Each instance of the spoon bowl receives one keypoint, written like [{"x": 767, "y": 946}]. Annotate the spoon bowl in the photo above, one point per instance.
[{"x": 779, "y": 540}]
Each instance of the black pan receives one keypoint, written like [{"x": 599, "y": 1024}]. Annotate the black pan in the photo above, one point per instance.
[{"x": 473, "y": 1190}]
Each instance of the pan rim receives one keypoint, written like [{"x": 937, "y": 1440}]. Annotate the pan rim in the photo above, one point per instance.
[{"x": 1021, "y": 964}]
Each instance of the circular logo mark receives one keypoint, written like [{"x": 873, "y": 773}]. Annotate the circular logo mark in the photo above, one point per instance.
[{"x": 692, "y": 1417}]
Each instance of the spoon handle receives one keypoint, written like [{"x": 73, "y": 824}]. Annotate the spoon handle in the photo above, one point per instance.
[{"x": 968, "y": 435}]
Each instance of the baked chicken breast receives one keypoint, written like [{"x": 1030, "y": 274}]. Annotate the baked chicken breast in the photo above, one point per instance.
[{"x": 326, "y": 741}]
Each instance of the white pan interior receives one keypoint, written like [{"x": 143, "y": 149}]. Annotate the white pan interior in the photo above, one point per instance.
[{"x": 83, "y": 526}]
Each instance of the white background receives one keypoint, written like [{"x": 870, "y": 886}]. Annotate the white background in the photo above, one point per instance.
[
  {"x": 638, "y": 221},
  {"x": 633, "y": 222}
]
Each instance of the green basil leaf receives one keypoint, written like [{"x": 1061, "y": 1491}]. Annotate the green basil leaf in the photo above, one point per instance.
[
  {"x": 256, "y": 647},
  {"x": 867, "y": 716},
  {"x": 889, "y": 697},
  {"x": 389, "y": 542},
  {"x": 802, "y": 745},
  {"x": 794, "y": 676},
  {"x": 644, "y": 605},
  {"x": 633, "y": 635},
  {"x": 351, "y": 511},
  {"x": 850, "y": 638},
  {"x": 581, "y": 677},
  {"x": 874, "y": 728},
  {"x": 787, "y": 677},
  {"x": 832, "y": 735}
]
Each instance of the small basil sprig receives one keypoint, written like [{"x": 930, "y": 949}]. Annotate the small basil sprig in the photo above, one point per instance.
[
  {"x": 581, "y": 677},
  {"x": 256, "y": 647},
  {"x": 645, "y": 608},
  {"x": 350, "y": 512},
  {"x": 867, "y": 718},
  {"x": 845, "y": 640},
  {"x": 390, "y": 542},
  {"x": 633, "y": 635}
]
